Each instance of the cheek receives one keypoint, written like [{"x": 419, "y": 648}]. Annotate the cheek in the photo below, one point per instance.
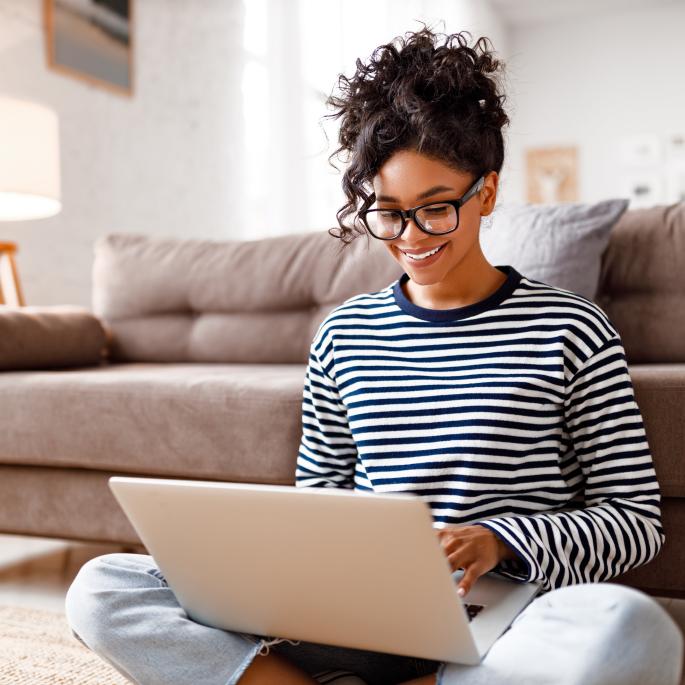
[
  {"x": 393, "y": 251},
  {"x": 469, "y": 219}
]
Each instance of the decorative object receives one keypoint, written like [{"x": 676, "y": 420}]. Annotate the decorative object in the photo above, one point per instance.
[
  {"x": 645, "y": 188},
  {"x": 29, "y": 163},
  {"x": 560, "y": 244},
  {"x": 37, "y": 648},
  {"x": 552, "y": 174},
  {"x": 642, "y": 158},
  {"x": 675, "y": 171},
  {"x": 50, "y": 338},
  {"x": 9, "y": 274},
  {"x": 653, "y": 169},
  {"x": 676, "y": 147},
  {"x": 29, "y": 175},
  {"x": 641, "y": 150},
  {"x": 675, "y": 183},
  {"x": 91, "y": 40}
]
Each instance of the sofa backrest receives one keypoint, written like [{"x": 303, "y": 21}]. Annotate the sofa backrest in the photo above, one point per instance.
[
  {"x": 262, "y": 300},
  {"x": 228, "y": 301},
  {"x": 642, "y": 283}
]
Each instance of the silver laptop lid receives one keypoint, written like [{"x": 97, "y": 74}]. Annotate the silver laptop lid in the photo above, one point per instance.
[{"x": 333, "y": 566}]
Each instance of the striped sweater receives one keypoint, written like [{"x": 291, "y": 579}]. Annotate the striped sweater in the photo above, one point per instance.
[{"x": 516, "y": 413}]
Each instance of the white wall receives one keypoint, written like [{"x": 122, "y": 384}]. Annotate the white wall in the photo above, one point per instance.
[
  {"x": 590, "y": 82},
  {"x": 296, "y": 50},
  {"x": 164, "y": 162},
  {"x": 170, "y": 160}
]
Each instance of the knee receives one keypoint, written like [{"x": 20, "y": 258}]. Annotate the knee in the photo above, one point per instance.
[
  {"x": 646, "y": 621},
  {"x": 81, "y": 601},
  {"x": 611, "y": 607},
  {"x": 636, "y": 632},
  {"x": 97, "y": 590},
  {"x": 636, "y": 612}
]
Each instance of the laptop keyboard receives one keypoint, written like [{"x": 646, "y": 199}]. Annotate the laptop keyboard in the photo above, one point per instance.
[{"x": 472, "y": 610}]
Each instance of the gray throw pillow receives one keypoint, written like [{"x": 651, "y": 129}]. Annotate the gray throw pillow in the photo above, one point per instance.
[{"x": 558, "y": 244}]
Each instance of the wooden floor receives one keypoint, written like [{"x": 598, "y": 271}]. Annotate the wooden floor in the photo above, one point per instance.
[{"x": 36, "y": 572}]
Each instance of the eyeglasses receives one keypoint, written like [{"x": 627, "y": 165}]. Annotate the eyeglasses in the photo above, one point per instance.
[{"x": 434, "y": 218}]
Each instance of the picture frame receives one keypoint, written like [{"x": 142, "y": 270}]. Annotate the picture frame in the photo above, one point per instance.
[
  {"x": 551, "y": 174},
  {"x": 91, "y": 40}
]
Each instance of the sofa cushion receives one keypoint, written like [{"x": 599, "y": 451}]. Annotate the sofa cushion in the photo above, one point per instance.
[
  {"x": 228, "y": 422},
  {"x": 560, "y": 244},
  {"x": 642, "y": 284},
  {"x": 234, "y": 422},
  {"x": 50, "y": 337},
  {"x": 660, "y": 394},
  {"x": 228, "y": 301}
]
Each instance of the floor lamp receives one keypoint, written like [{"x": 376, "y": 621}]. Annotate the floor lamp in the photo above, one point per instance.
[{"x": 29, "y": 177}]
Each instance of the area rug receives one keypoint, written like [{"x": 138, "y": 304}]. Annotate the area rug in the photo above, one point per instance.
[{"x": 37, "y": 648}]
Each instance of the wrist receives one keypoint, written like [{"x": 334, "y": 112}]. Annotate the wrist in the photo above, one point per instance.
[{"x": 503, "y": 550}]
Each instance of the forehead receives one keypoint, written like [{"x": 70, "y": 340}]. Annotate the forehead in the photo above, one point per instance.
[{"x": 408, "y": 173}]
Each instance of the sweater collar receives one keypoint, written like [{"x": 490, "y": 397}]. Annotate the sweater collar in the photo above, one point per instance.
[{"x": 501, "y": 294}]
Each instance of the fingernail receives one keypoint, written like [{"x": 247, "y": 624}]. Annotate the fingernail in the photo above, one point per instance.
[{"x": 461, "y": 592}]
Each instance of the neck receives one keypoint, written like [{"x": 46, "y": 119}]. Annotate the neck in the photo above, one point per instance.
[{"x": 470, "y": 281}]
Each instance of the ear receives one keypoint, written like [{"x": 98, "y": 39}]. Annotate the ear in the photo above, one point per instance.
[{"x": 488, "y": 193}]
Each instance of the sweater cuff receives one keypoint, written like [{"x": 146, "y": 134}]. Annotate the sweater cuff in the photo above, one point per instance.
[{"x": 524, "y": 568}]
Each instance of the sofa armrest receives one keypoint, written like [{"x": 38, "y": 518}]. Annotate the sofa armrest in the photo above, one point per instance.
[{"x": 50, "y": 338}]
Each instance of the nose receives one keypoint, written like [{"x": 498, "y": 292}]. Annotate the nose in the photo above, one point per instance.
[{"x": 412, "y": 232}]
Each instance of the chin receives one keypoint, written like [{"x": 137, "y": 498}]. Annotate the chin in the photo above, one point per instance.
[{"x": 424, "y": 278}]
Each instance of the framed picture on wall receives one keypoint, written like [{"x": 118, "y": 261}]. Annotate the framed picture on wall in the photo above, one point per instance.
[
  {"x": 91, "y": 40},
  {"x": 552, "y": 174}
]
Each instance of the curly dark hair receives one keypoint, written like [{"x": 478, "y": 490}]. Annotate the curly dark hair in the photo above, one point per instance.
[{"x": 428, "y": 92}]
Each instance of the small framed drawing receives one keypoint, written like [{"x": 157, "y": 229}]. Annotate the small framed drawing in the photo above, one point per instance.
[
  {"x": 91, "y": 40},
  {"x": 645, "y": 189},
  {"x": 552, "y": 174}
]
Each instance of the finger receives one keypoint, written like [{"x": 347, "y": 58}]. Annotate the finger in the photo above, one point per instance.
[
  {"x": 450, "y": 542},
  {"x": 460, "y": 558},
  {"x": 451, "y": 545},
  {"x": 471, "y": 575}
]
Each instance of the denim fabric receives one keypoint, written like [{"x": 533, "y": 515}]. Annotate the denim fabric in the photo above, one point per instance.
[
  {"x": 589, "y": 634},
  {"x": 121, "y": 607}
]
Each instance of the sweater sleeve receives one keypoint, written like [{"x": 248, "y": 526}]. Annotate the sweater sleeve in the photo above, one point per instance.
[
  {"x": 327, "y": 454},
  {"x": 617, "y": 524}
]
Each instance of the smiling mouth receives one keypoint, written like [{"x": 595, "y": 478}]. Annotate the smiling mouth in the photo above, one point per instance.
[{"x": 423, "y": 255}]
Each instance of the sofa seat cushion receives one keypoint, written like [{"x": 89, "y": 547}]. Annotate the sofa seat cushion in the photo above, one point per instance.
[{"x": 237, "y": 422}]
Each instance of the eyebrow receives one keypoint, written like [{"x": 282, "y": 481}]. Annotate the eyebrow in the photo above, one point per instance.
[{"x": 421, "y": 196}]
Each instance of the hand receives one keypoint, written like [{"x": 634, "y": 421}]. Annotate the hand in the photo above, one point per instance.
[{"x": 476, "y": 549}]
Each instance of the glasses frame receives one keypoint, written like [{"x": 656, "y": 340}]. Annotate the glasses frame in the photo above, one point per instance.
[{"x": 407, "y": 214}]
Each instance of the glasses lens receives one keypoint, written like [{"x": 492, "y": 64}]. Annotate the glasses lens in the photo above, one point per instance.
[
  {"x": 438, "y": 218},
  {"x": 383, "y": 223}
]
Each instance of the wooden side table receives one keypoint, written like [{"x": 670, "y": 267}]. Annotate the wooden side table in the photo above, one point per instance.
[{"x": 9, "y": 274}]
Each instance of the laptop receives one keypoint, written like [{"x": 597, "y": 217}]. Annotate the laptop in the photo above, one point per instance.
[{"x": 326, "y": 565}]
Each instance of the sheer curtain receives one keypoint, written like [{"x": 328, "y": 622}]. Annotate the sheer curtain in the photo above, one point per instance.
[{"x": 294, "y": 51}]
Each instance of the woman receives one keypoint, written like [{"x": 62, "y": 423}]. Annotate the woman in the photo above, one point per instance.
[{"x": 505, "y": 403}]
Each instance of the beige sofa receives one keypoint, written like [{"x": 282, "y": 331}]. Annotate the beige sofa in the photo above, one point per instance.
[{"x": 209, "y": 342}]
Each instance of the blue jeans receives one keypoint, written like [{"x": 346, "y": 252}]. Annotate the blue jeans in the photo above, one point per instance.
[{"x": 121, "y": 607}]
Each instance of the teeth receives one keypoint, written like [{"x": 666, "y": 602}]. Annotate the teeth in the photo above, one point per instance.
[{"x": 424, "y": 255}]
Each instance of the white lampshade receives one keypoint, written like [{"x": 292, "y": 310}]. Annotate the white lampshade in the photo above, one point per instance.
[{"x": 29, "y": 161}]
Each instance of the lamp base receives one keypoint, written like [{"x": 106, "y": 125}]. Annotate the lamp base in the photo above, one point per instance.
[{"x": 10, "y": 276}]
